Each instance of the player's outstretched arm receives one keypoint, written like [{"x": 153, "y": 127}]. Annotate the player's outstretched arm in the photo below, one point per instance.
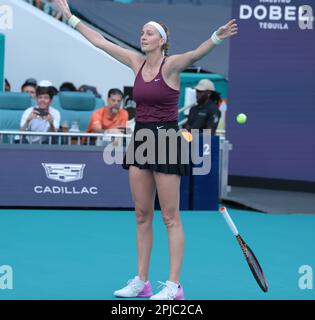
[{"x": 123, "y": 55}]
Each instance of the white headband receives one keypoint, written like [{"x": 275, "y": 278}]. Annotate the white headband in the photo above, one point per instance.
[{"x": 159, "y": 28}]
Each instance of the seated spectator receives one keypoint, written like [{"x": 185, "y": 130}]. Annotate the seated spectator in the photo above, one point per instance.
[
  {"x": 67, "y": 86},
  {"x": 42, "y": 117},
  {"x": 206, "y": 114},
  {"x": 111, "y": 116},
  {"x": 29, "y": 86},
  {"x": 7, "y": 86},
  {"x": 91, "y": 89}
]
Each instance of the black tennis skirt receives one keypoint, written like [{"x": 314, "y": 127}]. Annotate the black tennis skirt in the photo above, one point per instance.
[{"x": 159, "y": 147}]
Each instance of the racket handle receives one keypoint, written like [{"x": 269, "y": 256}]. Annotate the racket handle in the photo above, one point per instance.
[{"x": 229, "y": 221}]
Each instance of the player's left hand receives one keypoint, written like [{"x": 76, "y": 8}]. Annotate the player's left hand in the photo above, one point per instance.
[{"x": 228, "y": 30}]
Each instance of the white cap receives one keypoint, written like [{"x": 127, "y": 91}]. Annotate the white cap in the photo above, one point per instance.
[
  {"x": 45, "y": 83},
  {"x": 205, "y": 85}
]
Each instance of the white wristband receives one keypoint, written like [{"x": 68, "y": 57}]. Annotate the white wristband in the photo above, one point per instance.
[
  {"x": 215, "y": 39},
  {"x": 73, "y": 21}
]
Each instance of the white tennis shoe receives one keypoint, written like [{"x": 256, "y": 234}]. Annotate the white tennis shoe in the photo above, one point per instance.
[
  {"x": 170, "y": 291},
  {"x": 135, "y": 288}
]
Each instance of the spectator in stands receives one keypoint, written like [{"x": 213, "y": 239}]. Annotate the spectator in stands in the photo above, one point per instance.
[
  {"x": 206, "y": 114},
  {"x": 67, "y": 86},
  {"x": 7, "y": 86},
  {"x": 29, "y": 86},
  {"x": 42, "y": 117},
  {"x": 91, "y": 89},
  {"x": 111, "y": 117}
]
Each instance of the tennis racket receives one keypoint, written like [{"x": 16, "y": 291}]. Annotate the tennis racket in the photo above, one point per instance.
[{"x": 248, "y": 253}]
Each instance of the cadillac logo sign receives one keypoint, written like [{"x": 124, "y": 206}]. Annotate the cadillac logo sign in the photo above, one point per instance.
[{"x": 64, "y": 172}]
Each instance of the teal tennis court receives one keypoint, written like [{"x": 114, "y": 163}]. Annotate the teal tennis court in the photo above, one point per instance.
[{"x": 89, "y": 254}]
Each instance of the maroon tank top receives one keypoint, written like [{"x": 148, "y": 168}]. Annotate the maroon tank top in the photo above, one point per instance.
[{"x": 155, "y": 100}]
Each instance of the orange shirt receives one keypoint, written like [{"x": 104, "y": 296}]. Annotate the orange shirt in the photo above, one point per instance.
[{"x": 103, "y": 117}]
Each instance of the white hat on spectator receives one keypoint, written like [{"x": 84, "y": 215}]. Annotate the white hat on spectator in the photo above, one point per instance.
[
  {"x": 205, "y": 85},
  {"x": 45, "y": 83}
]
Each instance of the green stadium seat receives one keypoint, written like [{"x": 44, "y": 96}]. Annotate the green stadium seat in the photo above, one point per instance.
[
  {"x": 78, "y": 101},
  {"x": 12, "y": 106},
  {"x": 77, "y": 106}
]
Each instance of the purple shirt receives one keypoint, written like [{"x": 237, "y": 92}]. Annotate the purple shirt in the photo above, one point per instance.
[{"x": 156, "y": 101}]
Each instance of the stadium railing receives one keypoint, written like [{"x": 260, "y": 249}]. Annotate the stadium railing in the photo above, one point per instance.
[{"x": 64, "y": 138}]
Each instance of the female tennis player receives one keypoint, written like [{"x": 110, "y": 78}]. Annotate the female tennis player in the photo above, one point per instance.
[{"x": 156, "y": 92}]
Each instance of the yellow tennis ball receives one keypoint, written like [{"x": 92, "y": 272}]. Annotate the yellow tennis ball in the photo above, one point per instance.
[{"x": 241, "y": 118}]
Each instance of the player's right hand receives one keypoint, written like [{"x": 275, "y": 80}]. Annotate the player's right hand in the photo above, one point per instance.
[{"x": 64, "y": 8}]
